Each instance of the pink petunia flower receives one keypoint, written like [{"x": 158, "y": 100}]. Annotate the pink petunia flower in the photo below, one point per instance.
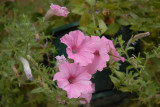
[
  {"x": 88, "y": 96},
  {"x": 60, "y": 60},
  {"x": 79, "y": 47},
  {"x": 113, "y": 52},
  {"x": 100, "y": 55},
  {"x": 56, "y": 10},
  {"x": 74, "y": 79}
]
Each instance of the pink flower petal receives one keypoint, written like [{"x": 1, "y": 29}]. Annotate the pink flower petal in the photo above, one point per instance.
[
  {"x": 62, "y": 84},
  {"x": 88, "y": 95},
  {"x": 72, "y": 91},
  {"x": 74, "y": 79},
  {"x": 60, "y": 76},
  {"x": 79, "y": 47},
  {"x": 113, "y": 52},
  {"x": 100, "y": 55}
]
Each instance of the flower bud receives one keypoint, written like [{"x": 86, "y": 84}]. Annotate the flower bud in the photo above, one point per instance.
[
  {"x": 26, "y": 67},
  {"x": 141, "y": 35},
  {"x": 60, "y": 60},
  {"x": 56, "y": 10}
]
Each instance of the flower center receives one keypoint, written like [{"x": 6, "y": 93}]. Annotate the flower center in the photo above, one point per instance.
[
  {"x": 74, "y": 51},
  {"x": 70, "y": 80},
  {"x": 96, "y": 53}
]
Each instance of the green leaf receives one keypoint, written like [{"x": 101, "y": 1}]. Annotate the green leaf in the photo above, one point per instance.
[
  {"x": 78, "y": 10},
  {"x": 134, "y": 16},
  {"x": 91, "y": 28},
  {"x": 91, "y": 2},
  {"x": 120, "y": 75},
  {"x": 130, "y": 48},
  {"x": 85, "y": 19},
  {"x": 102, "y": 26},
  {"x": 37, "y": 90},
  {"x": 156, "y": 25},
  {"x": 112, "y": 29},
  {"x": 123, "y": 22},
  {"x": 77, "y": 6},
  {"x": 110, "y": 6},
  {"x": 115, "y": 80},
  {"x": 129, "y": 67},
  {"x": 124, "y": 89},
  {"x": 125, "y": 4},
  {"x": 20, "y": 99}
]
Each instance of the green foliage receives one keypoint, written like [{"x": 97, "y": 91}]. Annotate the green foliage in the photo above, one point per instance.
[
  {"x": 141, "y": 76},
  {"x": 140, "y": 15}
]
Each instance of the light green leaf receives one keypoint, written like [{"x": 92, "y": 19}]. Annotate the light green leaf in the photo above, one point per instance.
[
  {"x": 78, "y": 10},
  {"x": 102, "y": 26},
  {"x": 85, "y": 19},
  {"x": 77, "y": 2},
  {"x": 124, "y": 89},
  {"x": 112, "y": 29},
  {"x": 130, "y": 48},
  {"x": 115, "y": 80},
  {"x": 91, "y": 2},
  {"x": 156, "y": 25},
  {"x": 37, "y": 90},
  {"x": 120, "y": 75},
  {"x": 123, "y": 22},
  {"x": 110, "y": 6}
]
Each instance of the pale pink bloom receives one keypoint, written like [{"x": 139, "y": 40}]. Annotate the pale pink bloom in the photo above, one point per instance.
[
  {"x": 60, "y": 60},
  {"x": 56, "y": 10},
  {"x": 100, "y": 55},
  {"x": 79, "y": 47},
  {"x": 113, "y": 52},
  {"x": 26, "y": 67},
  {"x": 59, "y": 11},
  {"x": 74, "y": 79},
  {"x": 88, "y": 96}
]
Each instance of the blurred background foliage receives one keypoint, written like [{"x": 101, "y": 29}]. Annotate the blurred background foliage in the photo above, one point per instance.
[
  {"x": 23, "y": 32},
  {"x": 138, "y": 15}
]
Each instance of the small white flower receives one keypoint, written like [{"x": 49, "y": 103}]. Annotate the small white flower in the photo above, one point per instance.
[{"x": 27, "y": 68}]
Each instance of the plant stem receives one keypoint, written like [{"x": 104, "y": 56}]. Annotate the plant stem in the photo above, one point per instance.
[{"x": 127, "y": 56}]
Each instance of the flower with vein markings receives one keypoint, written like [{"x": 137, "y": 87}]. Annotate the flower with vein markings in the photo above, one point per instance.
[
  {"x": 74, "y": 79},
  {"x": 100, "y": 55},
  {"x": 79, "y": 47}
]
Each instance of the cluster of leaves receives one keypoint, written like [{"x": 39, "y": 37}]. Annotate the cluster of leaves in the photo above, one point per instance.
[
  {"x": 107, "y": 16},
  {"x": 141, "y": 76}
]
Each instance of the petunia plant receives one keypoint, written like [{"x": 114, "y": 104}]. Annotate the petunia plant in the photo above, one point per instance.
[
  {"x": 89, "y": 54},
  {"x": 33, "y": 73}
]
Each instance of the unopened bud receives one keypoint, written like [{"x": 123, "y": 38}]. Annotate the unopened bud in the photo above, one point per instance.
[
  {"x": 56, "y": 10},
  {"x": 141, "y": 35},
  {"x": 26, "y": 67}
]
